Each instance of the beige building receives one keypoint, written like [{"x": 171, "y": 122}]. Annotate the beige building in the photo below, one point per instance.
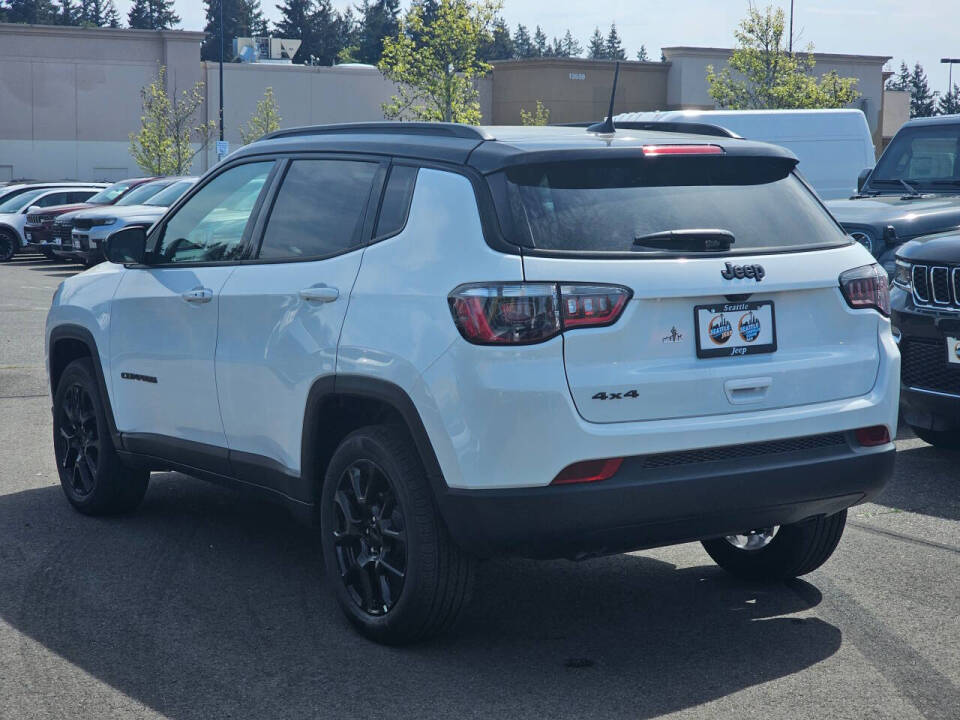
[{"x": 70, "y": 97}]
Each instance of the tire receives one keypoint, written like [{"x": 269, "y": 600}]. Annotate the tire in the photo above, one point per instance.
[
  {"x": 8, "y": 245},
  {"x": 376, "y": 470},
  {"x": 795, "y": 550},
  {"x": 91, "y": 474},
  {"x": 940, "y": 439},
  {"x": 47, "y": 253}
]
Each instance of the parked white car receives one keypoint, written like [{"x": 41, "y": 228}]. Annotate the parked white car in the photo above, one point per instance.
[
  {"x": 13, "y": 212},
  {"x": 833, "y": 146},
  {"x": 449, "y": 342}
]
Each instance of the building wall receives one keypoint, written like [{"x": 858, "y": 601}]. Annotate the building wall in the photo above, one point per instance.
[
  {"x": 69, "y": 97},
  {"x": 896, "y": 111},
  {"x": 687, "y": 84},
  {"x": 573, "y": 89}
]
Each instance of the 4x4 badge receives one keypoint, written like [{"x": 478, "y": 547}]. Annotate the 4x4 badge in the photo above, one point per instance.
[{"x": 732, "y": 271}]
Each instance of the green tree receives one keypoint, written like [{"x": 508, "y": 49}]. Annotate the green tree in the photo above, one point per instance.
[
  {"x": 523, "y": 45},
  {"x": 949, "y": 102},
  {"x": 379, "y": 19},
  {"x": 615, "y": 49},
  {"x": 241, "y": 18},
  {"x": 265, "y": 120},
  {"x": 900, "y": 81},
  {"x": 642, "y": 54},
  {"x": 170, "y": 135},
  {"x": 501, "y": 45},
  {"x": 99, "y": 13},
  {"x": 540, "y": 115},
  {"x": 762, "y": 74},
  {"x": 923, "y": 102},
  {"x": 434, "y": 64},
  {"x": 152, "y": 15},
  {"x": 568, "y": 46},
  {"x": 69, "y": 13},
  {"x": 597, "y": 47},
  {"x": 34, "y": 12},
  {"x": 540, "y": 45}
]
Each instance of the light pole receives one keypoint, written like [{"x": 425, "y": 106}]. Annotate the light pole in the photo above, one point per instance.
[
  {"x": 221, "y": 154},
  {"x": 951, "y": 62},
  {"x": 791, "y": 27}
]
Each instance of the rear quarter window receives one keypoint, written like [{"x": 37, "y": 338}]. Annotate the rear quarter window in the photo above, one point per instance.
[{"x": 603, "y": 206}]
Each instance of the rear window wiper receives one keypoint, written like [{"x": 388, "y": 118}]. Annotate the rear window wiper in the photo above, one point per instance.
[{"x": 686, "y": 240}]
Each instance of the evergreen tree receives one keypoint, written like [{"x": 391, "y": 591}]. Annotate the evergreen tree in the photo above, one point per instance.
[
  {"x": 111, "y": 16},
  {"x": 900, "y": 81},
  {"x": 69, "y": 13},
  {"x": 346, "y": 34},
  {"x": 378, "y": 19},
  {"x": 523, "y": 45},
  {"x": 297, "y": 23},
  {"x": 152, "y": 15},
  {"x": 923, "y": 102},
  {"x": 241, "y": 18},
  {"x": 597, "y": 48},
  {"x": 615, "y": 49},
  {"x": 540, "y": 47},
  {"x": 34, "y": 12},
  {"x": 642, "y": 54},
  {"x": 949, "y": 102},
  {"x": 571, "y": 47},
  {"x": 500, "y": 46},
  {"x": 99, "y": 13}
]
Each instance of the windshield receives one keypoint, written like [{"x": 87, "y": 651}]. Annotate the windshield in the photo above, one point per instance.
[
  {"x": 142, "y": 193},
  {"x": 18, "y": 202},
  {"x": 109, "y": 194},
  {"x": 171, "y": 194},
  {"x": 928, "y": 157},
  {"x": 611, "y": 206}
]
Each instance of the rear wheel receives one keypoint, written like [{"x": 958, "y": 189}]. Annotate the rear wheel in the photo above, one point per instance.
[
  {"x": 395, "y": 570},
  {"x": 8, "y": 245},
  {"x": 779, "y": 553},
  {"x": 941, "y": 439},
  {"x": 91, "y": 474}
]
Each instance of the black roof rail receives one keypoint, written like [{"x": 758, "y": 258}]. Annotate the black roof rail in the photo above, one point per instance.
[
  {"x": 440, "y": 129},
  {"x": 670, "y": 126}
]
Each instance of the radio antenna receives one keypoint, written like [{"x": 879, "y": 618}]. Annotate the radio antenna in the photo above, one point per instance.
[{"x": 607, "y": 125}]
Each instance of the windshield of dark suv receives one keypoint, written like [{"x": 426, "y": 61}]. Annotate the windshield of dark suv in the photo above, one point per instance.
[
  {"x": 926, "y": 157},
  {"x": 616, "y": 206}
]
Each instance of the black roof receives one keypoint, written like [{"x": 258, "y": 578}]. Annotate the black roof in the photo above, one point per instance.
[{"x": 488, "y": 149}]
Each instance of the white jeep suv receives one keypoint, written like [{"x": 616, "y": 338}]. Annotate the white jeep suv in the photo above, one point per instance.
[{"x": 448, "y": 342}]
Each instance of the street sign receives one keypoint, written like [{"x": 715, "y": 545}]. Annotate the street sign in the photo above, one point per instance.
[{"x": 223, "y": 148}]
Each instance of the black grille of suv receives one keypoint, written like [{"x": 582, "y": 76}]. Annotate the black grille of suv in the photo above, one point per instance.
[
  {"x": 62, "y": 231},
  {"x": 924, "y": 365},
  {"x": 735, "y": 452},
  {"x": 936, "y": 286}
]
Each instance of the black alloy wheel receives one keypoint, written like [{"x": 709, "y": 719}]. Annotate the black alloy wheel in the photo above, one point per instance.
[
  {"x": 79, "y": 454},
  {"x": 369, "y": 537},
  {"x": 8, "y": 246}
]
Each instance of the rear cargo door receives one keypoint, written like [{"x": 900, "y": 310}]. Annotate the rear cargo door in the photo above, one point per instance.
[{"x": 763, "y": 325}]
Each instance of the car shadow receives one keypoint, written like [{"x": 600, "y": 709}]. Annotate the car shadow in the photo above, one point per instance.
[
  {"x": 206, "y": 603},
  {"x": 926, "y": 481}
]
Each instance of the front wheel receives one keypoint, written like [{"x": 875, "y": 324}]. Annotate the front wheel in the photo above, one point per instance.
[
  {"x": 781, "y": 552},
  {"x": 8, "y": 245},
  {"x": 395, "y": 571},
  {"x": 91, "y": 474},
  {"x": 940, "y": 439}
]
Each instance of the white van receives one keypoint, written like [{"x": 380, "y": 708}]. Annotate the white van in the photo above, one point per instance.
[{"x": 833, "y": 145}]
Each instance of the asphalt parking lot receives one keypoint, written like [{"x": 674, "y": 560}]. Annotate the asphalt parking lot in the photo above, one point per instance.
[{"x": 206, "y": 604}]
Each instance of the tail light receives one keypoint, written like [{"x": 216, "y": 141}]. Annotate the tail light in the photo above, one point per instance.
[
  {"x": 866, "y": 287},
  {"x": 526, "y": 313},
  {"x": 588, "y": 471},
  {"x": 872, "y": 436}
]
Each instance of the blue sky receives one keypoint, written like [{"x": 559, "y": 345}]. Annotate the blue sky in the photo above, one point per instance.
[{"x": 915, "y": 30}]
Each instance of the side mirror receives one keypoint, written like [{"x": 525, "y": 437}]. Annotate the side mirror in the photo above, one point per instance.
[
  {"x": 862, "y": 178},
  {"x": 127, "y": 246}
]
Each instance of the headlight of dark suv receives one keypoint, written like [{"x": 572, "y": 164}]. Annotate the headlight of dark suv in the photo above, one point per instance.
[
  {"x": 865, "y": 237},
  {"x": 903, "y": 277}
]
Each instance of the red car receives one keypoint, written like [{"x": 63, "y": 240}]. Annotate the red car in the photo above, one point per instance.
[{"x": 38, "y": 232}]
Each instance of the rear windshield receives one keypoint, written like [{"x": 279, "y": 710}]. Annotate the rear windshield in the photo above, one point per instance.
[{"x": 604, "y": 206}]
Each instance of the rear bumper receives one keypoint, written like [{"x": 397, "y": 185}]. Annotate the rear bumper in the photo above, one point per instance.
[{"x": 640, "y": 508}]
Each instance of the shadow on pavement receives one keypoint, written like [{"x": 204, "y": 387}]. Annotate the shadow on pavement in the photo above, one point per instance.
[
  {"x": 208, "y": 604},
  {"x": 930, "y": 487}
]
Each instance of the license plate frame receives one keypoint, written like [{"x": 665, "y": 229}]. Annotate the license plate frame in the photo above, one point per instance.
[{"x": 736, "y": 328}]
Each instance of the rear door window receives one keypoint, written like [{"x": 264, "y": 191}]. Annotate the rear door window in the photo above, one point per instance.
[
  {"x": 319, "y": 209},
  {"x": 396, "y": 200},
  {"x": 605, "y": 206}
]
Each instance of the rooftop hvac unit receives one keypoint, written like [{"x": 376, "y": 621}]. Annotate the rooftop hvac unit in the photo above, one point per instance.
[{"x": 265, "y": 49}]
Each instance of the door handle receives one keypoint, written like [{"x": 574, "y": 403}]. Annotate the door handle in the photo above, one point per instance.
[
  {"x": 198, "y": 295},
  {"x": 321, "y": 294}
]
